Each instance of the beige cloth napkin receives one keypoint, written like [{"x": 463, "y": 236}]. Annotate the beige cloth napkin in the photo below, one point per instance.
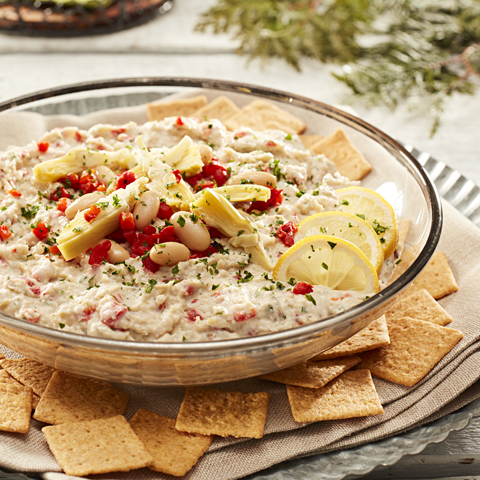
[{"x": 449, "y": 386}]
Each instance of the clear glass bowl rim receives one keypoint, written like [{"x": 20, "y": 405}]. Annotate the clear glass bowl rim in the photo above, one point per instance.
[{"x": 263, "y": 341}]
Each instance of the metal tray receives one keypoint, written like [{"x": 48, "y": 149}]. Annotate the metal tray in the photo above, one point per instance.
[{"x": 463, "y": 194}]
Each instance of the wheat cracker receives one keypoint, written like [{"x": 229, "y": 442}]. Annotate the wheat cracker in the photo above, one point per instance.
[
  {"x": 420, "y": 306},
  {"x": 15, "y": 408},
  {"x": 221, "y": 108},
  {"x": 437, "y": 277},
  {"x": 30, "y": 373},
  {"x": 173, "y": 108},
  {"x": 72, "y": 398},
  {"x": 263, "y": 115},
  {"x": 214, "y": 412},
  {"x": 348, "y": 160},
  {"x": 415, "y": 348},
  {"x": 352, "y": 394},
  {"x": 312, "y": 375},
  {"x": 97, "y": 446},
  {"x": 173, "y": 452},
  {"x": 309, "y": 140},
  {"x": 373, "y": 336}
]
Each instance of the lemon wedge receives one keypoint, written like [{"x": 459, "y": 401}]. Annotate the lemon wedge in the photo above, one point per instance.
[
  {"x": 330, "y": 261},
  {"x": 349, "y": 227},
  {"x": 375, "y": 210}
]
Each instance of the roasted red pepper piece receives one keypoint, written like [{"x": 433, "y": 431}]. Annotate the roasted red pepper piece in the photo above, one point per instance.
[
  {"x": 165, "y": 211},
  {"x": 286, "y": 233},
  {"x": 41, "y": 230},
  {"x": 302, "y": 288},
  {"x": 178, "y": 175},
  {"x": 91, "y": 213},
  {"x": 179, "y": 121},
  {"x": 5, "y": 232},
  {"x": 127, "y": 222},
  {"x": 71, "y": 181},
  {"x": 43, "y": 146},
  {"x": 276, "y": 198},
  {"x": 100, "y": 253},
  {"x": 88, "y": 182},
  {"x": 63, "y": 204},
  {"x": 149, "y": 230},
  {"x": 217, "y": 171},
  {"x": 149, "y": 265},
  {"x": 126, "y": 178},
  {"x": 14, "y": 193}
]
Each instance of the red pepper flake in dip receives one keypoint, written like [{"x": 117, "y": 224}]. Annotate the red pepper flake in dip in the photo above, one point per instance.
[
  {"x": 178, "y": 175},
  {"x": 100, "y": 253},
  {"x": 5, "y": 232},
  {"x": 14, "y": 193},
  {"x": 43, "y": 146},
  {"x": 40, "y": 230},
  {"x": 127, "y": 222},
  {"x": 286, "y": 233}
]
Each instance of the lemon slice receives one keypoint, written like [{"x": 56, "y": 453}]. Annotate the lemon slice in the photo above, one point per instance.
[
  {"x": 330, "y": 261},
  {"x": 349, "y": 227},
  {"x": 375, "y": 210}
]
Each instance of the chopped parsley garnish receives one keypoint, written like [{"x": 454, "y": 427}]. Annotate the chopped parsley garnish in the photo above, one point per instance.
[
  {"x": 213, "y": 268},
  {"x": 398, "y": 261},
  {"x": 175, "y": 270},
  {"x": 214, "y": 287},
  {"x": 345, "y": 202},
  {"x": 61, "y": 325},
  {"x": 310, "y": 299},
  {"x": 276, "y": 169},
  {"x": 300, "y": 193},
  {"x": 77, "y": 229},
  {"x": 332, "y": 245},
  {"x": 240, "y": 232},
  {"x": 149, "y": 288},
  {"x": 382, "y": 240},
  {"x": 324, "y": 265},
  {"x": 181, "y": 221},
  {"x": 248, "y": 277},
  {"x": 288, "y": 137},
  {"x": 360, "y": 215},
  {"x": 292, "y": 282},
  {"x": 193, "y": 218},
  {"x": 379, "y": 228},
  {"x": 184, "y": 338},
  {"x": 116, "y": 201},
  {"x": 29, "y": 211}
]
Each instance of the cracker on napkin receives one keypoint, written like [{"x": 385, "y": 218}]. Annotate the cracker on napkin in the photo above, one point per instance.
[
  {"x": 348, "y": 160},
  {"x": 312, "y": 375},
  {"x": 437, "y": 277},
  {"x": 97, "y": 446},
  {"x": 309, "y": 140},
  {"x": 221, "y": 108},
  {"x": 15, "y": 408},
  {"x": 263, "y": 115},
  {"x": 352, "y": 394},
  {"x": 373, "y": 336},
  {"x": 72, "y": 398},
  {"x": 173, "y": 452},
  {"x": 420, "y": 306},
  {"x": 30, "y": 373},
  {"x": 173, "y": 108},
  {"x": 214, "y": 412},
  {"x": 415, "y": 348}
]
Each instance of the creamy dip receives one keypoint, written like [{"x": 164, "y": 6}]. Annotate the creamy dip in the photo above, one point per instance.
[{"x": 221, "y": 296}]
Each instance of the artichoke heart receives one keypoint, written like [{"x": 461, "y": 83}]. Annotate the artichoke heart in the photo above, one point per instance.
[
  {"x": 80, "y": 235},
  {"x": 185, "y": 156},
  {"x": 164, "y": 184},
  {"x": 244, "y": 193},
  {"x": 81, "y": 158}
]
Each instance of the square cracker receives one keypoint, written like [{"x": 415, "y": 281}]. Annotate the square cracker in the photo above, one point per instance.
[
  {"x": 214, "y": 412},
  {"x": 72, "y": 398},
  {"x": 30, "y": 373},
  {"x": 15, "y": 408},
  {"x": 415, "y": 348},
  {"x": 312, "y": 375},
  {"x": 6, "y": 378},
  {"x": 97, "y": 446},
  {"x": 185, "y": 107},
  {"x": 173, "y": 452},
  {"x": 437, "y": 277},
  {"x": 352, "y": 394},
  {"x": 338, "y": 148},
  {"x": 262, "y": 115},
  {"x": 309, "y": 140},
  {"x": 373, "y": 336},
  {"x": 221, "y": 108},
  {"x": 420, "y": 306}
]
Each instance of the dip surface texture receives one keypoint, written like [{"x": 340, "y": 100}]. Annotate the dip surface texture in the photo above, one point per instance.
[{"x": 224, "y": 295}]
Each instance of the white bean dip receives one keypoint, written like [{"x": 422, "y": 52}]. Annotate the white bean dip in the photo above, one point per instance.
[{"x": 221, "y": 296}]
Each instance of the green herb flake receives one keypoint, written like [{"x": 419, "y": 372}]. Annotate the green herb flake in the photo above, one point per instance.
[
  {"x": 310, "y": 299},
  {"x": 324, "y": 265}
]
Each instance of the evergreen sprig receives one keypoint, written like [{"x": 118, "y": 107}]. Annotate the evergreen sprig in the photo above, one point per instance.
[{"x": 420, "y": 51}]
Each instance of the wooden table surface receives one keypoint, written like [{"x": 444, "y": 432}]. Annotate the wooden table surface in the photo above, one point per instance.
[{"x": 167, "y": 46}]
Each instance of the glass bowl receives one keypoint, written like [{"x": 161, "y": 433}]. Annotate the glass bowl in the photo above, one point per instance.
[{"x": 396, "y": 174}]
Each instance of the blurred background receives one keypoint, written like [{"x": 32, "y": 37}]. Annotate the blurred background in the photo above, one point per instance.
[{"x": 421, "y": 58}]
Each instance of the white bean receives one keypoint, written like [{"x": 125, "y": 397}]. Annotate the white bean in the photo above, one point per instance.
[
  {"x": 169, "y": 253},
  {"x": 104, "y": 175},
  {"x": 146, "y": 209},
  {"x": 258, "y": 178},
  {"x": 193, "y": 234},
  {"x": 117, "y": 253},
  {"x": 206, "y": 153},
  {"x": 83, "y": 203}
]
